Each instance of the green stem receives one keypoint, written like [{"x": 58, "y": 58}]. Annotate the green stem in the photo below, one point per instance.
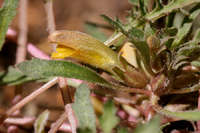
[{"x": 114, "y": 39}]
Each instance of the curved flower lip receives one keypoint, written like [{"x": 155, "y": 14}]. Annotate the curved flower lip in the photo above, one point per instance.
[{"x": 84, "y": 48}]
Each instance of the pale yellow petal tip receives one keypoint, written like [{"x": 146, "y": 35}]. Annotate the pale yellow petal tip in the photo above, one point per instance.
[{"x": 62, "y": 52}]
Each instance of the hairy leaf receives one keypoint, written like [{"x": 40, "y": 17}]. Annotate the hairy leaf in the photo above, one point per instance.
[
  {"x": 135, "y": 2},
  {"x": 27, "y": 79},
  {"x": 109, "y": 119},
  {"x": 116, "y": 24},
  {"x": 179, "y": 62},
  {"x": 151, "y": 127},
  {"x": 7, "y": 13},
  {"x": 142, "y": 7},
  {"x": 13, "y": 77},
  {"x": 178, "y": 20},
  {"x": 196, "y": 63},
  {"x": 136, "y": 33},
  {"x": 84, "y": 110},
  {"x": 37, "y": 68},
  {"x": 13, "y": 74},
  {"x": 41, "y": 122},
  {"x": 174, "y": 4},
  {"x": 196, "y": 38},
  {"x": 182, "y": 33},
  {"x": 189, "y": 50},
  {"x": 194, "y": 14},
  {"x": 122, "y": 130},
  {"x": 148, "y": 30},
  {"x": 186, "y": 115},
  {"x": 172, "y": 31}
]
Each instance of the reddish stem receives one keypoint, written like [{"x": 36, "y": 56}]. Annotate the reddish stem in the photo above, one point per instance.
[
  {"x": 35, "y": 52},
  {"x": 23, "y": 30}
]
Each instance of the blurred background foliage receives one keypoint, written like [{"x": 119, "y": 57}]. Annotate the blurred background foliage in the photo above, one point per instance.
[{"x": 71, "y": 15}]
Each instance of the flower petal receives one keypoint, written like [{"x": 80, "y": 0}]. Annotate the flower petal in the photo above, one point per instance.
[
  {"x": 87, "y": 49},
  {"x": 62, "y": 52}
]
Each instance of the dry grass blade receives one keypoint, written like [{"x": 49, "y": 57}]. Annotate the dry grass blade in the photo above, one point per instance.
[{"x": 33, "y": 95}]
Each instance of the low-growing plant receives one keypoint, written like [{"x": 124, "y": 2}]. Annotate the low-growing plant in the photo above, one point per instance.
[{"x": 146, "y": 72}]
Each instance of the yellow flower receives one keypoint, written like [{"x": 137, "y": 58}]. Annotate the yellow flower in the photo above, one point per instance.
[{"x": 84, "y": 48}]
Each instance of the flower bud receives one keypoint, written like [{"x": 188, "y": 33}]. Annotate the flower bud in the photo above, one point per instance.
[{"x": 84, "y": 48}]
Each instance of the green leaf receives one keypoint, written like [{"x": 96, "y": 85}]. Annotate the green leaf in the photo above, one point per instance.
[
  {"x": 41, "y": 122},
  {"x": 189, "y": 50},
  {"x": 136, "y": 33},
  {"x": 134, "y": 2},
  {"x": 13, "y": 74},
  {"x": 196, "y": 37},
  {"x": 122, "y": 130},
  {"x": 151, "y": 127},
  {"x": 186, "y": 115},
  {"x": 168, "y": 42},
  {"x": 37, "y": 68},
  {"x": 142, "y": 7},
  {"x": 178, "y": 20},
  {"x": 179, "y": 62},
  {"x": 25, "y": 80},
  {"x": 169, "y": 20},
  {"x": 13, "y": 77},
  {"x": 196, "y": 63},
  {"x": 158, "y": 4},
  {"x": 194, "y": 14},
  {"x": 182, "y": 33},
  {"x": 109, "y": 119},
  {"x": 7, "y": 13},
  {"x": 174, "y": 4},
  {"x": 172, "y": 31},
  {"x": 148, "y": 30},
  {"x": 116, "y": 24},
  {"x": 84, "y": 110}
]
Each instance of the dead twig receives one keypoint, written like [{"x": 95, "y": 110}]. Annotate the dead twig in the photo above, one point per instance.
[
  {"x": 55, "y": 126},
  {"x": 71, "y": 117},
  {"x": 33, "y": 95},
  {"x": 26, "y": 121}
]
